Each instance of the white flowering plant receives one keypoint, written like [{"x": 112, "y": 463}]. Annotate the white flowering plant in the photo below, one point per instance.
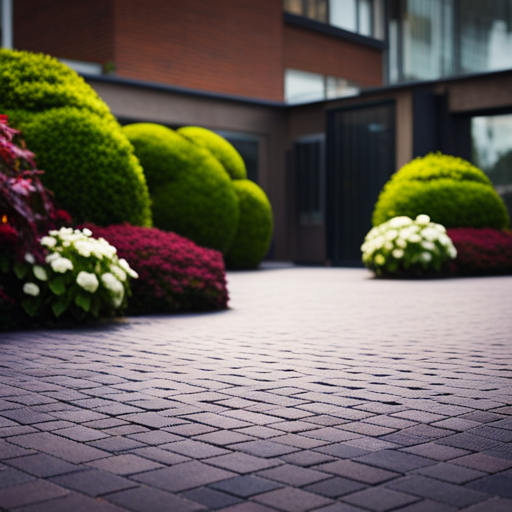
[
  {"x": 81, "y": 275},
  {"x": 407, "y": 247}
]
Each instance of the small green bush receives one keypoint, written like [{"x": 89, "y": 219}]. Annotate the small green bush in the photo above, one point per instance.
[
  {"x": 191, "y": 192},
  {"x": 450, "y": 190},
  {"x": 220, "y": 148},
  {"x": 87, "y": 160},
  {"x": 35, "y": 82},
  {"x": 90, "y": 166},
  {"x": 254, "y": 232}
]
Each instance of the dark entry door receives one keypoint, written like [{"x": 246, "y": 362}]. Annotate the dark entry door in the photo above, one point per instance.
[{"x": 360, "y": 160}]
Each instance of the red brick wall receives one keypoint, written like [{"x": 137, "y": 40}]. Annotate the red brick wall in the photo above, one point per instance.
[
  {"x": 72, "y": 29},
  {"x": 227, "y": 46},
  {"x": 319, "y": 53}
]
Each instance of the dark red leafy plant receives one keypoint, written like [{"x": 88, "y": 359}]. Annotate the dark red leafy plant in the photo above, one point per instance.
[
  {"x": 25, "y": 203},
  {"x": 175, "y": 274},
  {"x": 481, "y": 252}
]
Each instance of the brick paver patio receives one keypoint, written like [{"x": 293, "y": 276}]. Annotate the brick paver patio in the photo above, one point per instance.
[{"x": 321, "y": 389}]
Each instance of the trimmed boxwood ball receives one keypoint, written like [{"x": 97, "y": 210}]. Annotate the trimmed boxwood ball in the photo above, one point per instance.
[
  {"x": 35, "y": 82},
  {"x": 192, "y": 194},
  {"x": 90, "y": 166},
  {"x": 452, "y": 191},
  {"x": 254, "y": 232},
  {"x": 220, "y": 148},
  {"x": 88, "y": 162}
]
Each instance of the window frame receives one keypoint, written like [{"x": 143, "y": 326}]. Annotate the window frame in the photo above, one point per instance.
[{"x": 6, "y": 24}]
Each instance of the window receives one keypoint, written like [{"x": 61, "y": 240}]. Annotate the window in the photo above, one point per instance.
[
  {"x": 6, "y": 23},
  {"x": 248, "y": 146},
  {"x": 310, "y": 176},
  {"x": 305, "y": 87},
  {"x": 492, "y": 151},
  {"x": 364, "y": 17},
  {"x": 437, "y": 38}
]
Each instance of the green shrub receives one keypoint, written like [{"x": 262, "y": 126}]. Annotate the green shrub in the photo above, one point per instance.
[
  {"x": 87, "y": 160},
  {"x": 35, "y": 82},
  {"x": 450, "y": 190},
  {"x": 254, "y": 231},
  {"x": 90, "y": 166},
  {"x": 191, "y": 192},
  {"x": 220, "y": 148}
]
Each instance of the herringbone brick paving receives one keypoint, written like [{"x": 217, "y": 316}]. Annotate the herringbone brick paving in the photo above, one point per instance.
[{"x": 321, "y": 389}]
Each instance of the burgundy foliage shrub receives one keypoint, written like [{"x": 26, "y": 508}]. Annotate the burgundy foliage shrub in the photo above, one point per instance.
[
  {"x": 481, "y": 252},
  {"x": 175, "y": 274}
]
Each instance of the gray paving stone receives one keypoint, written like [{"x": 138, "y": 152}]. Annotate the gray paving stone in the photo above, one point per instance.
[
  {"x": 127, "y": 464},
  {"x": 148, "y": 499},
  {"x": 357, "y": 471},
  {"x": 116, "y": 444},
  {"x": 335, "y": 487},
  {"x": 11, "y": 476},
  {"x": 183, "y": 477},
  {"x": 380, "y": 499},
  {"x": 159, "y": 455},
  {"x": 436, "y": 451},
  {"x": 81, "y": 433},
  {"x": 293, "y": 475},
  {"x": 8, "y": 450},
  {"x": 306, "y": 458},
  {"x": 43, "y": 465},
  {"x": 93, "y": 482},
  {"x": 451, "y": 473},
  {"x": 483, "y": 462},
  {"x": 242, "y": 462},
  {"x": 264, "y": 449},
  {"x": 395, "y": 460},
  {"x": 498, "y": 485},
  {"x": 436, "y": 490},
  {"x": 72, "y": 502},
  {"x": 246, "y": 486},
  {"x": 211, "y": 498},
  {"x": 155, "y": 437},
  {"x": 28, "y": 493},
  {"x": 289, "y": 499},
  {"x": 66, "y": 449},
  {"x": 194, "y": 449}
]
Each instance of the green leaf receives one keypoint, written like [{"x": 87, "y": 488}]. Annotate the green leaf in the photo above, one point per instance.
[
  {"x": 59, "y": 307},
  {"x": 84, "y": 301},
  {"x": 5, "y": 263},
  {"x": 57, "y": 285},
  {"x": 30, "y": 306},
  {"x": 95, "y": 307},
  {"x": 20, "y": 269}
]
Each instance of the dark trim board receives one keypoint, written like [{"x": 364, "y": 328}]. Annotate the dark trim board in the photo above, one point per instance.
[{"x": 330, "y": 30}]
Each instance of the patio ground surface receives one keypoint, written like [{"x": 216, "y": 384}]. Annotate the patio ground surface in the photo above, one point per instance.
[{"x": 321, "y": 389}]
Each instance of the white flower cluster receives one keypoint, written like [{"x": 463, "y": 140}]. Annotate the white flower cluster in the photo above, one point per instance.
[
  {"x": 89, "y": 262},
  {"x": 404, "y": 241}
]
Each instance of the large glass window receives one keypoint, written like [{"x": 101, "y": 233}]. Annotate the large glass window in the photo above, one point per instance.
[
  {"x": 248, "y": 146},
  {"x": 436, "y": 38},
  {"x": 492, "y": 152},
  {"x": 6, "y": 23},
  {"x": 305, "y": 87},
  {"x": 364, "y": 17},
  {"x": 310, "y": 176}
]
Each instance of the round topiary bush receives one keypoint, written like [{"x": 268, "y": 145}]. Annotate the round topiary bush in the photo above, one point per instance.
[
  {"x": 89, "y": 166},
  {"x": 87, "y": 160},
  {"x": 191, "y": 192},
  {"x": 174, "y": 273},
  {"x": 35, "y": 82},
  {"x": 450, "y": 190},
  {"x": 219, "y": 147},
  {"x": 254, "y": 231}
]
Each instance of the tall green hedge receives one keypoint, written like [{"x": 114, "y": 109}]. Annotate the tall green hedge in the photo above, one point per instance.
[
  {"x": 254, "y": 231},
  {"x": 87, "y": 160},
  {"x": 219, "y": 147},
  {"x": 192, "y": 194},
  {"x": 450, "y": 190}
]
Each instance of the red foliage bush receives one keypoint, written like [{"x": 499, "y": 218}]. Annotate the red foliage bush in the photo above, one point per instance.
[
  {"x": 24, "y": 201},
  {"x": 175, "y": 274},
  {"x": 481, "y": 252}
]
